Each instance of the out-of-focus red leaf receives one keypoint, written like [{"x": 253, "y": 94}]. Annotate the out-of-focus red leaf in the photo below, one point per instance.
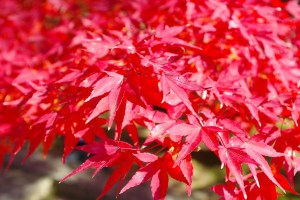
[
  {"x": 48, "y": 118},
  {"x": 70, "y": 77},
  {"x": 169, "y": 32}
]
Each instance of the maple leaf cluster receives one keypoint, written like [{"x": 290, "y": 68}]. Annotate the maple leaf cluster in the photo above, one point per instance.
[{"x": 217, "y": 74}]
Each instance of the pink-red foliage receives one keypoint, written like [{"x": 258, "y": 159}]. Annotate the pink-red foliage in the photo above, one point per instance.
[{"x": 222, "y": 73}]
